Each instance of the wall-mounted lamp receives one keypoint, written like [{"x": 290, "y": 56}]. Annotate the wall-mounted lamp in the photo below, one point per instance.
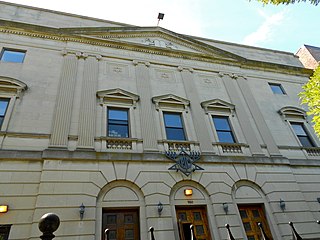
[
  {"x": 188, "y": 192},
  {"x": 4, "y": 208},
  {"x": 318, "y": 221},
  {"x": 282, "y": 204},
  {"x": 225, "y": 207},
  {"x": 81, "y": 210},
  {"x": 160, "y": 208}
]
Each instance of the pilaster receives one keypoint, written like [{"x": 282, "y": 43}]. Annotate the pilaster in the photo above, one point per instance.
[
  {"x": 146, "y": 110},
  {"x": 64, "y": 103},
  {"x": 258, "y": 117},
  {"x": 229, "y": 81},
  {"x": 197, "y": 112},
  {"x": 87, "y": 116}
]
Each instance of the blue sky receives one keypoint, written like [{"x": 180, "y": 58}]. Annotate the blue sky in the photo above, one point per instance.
[{"x": 284, "y": 28}]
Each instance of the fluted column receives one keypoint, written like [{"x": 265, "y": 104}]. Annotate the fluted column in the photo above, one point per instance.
[
  {"x": 64, "y": 102},
  {"x": 235, "y": 97},
  {"x": 148, "y": 130},
  {"x": 196, "y": 110},
  {"x": 258, "y": 117},
  {"x": 87, "y": 117}
]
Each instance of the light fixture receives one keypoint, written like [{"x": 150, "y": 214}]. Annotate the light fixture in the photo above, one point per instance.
[
  {"x": 160, "y": 17},
  {"x": 225, "y": 207},
  {"x": 282, "y": 204},
  {"x": 81, "y": 210},
  {"x": 4, "y": 208},
  {"x": 318, "y": 221},
  {"x": 188, "y": 192},
  {"x": 160, "y": 208}
]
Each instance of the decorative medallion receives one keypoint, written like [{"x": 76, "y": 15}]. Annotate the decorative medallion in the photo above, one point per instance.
[{"x": 185, "y": 162}]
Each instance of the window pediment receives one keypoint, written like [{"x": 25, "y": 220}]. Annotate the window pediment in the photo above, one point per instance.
[
  {"x": 11, "y": 85},
  {"x": 292, "y": 112},
  {"x": 170, "y": 101},
  {"x": 117, "y": 95},
  {"x": 217, "y": 105}
]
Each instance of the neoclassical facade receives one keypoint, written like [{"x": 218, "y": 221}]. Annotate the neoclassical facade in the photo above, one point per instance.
[{"x": 141, "y": 127}]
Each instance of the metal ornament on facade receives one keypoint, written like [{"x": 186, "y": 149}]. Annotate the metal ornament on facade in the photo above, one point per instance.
[{"x": 184, "y": 161}]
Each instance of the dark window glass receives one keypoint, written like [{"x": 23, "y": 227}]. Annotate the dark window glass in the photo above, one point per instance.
[
  {"x": 199, "y": 230},
  {"x": 223, "y": 129},
  {"x": 247, "y": 226},
  {"x": 243, "y": 214},
  {"x": 4, "y": 232},
  {"x": 118, "y": 124},
  {"x": 276, "y": 88},
  {"x": 174, "y": 126},
  {"x": 16, "y": 56},
  {"x": 4, "y": 102},
  {"x": 299, "y": 130}
]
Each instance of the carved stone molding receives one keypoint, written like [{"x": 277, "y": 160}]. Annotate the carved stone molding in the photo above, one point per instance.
[{"x": 184, "y": 161}]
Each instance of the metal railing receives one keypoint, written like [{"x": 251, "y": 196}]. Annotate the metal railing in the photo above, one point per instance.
[
  {"x": 50, "y": 222},
  {"x": 295, "y": 235}
]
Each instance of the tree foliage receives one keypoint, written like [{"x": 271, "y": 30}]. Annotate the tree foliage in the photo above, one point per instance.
[
  {"x": 277, "y": 2},
  {"x": 311, "y": 96}
]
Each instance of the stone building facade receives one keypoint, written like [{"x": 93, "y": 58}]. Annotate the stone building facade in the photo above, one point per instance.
[{"x": 123, "y": 119}]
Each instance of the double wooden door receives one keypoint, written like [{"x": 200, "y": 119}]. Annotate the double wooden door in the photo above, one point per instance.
[
  {"x": 123, "y": 224},
  {"x": 197, "y": 216},
  {"x": 251, "y": 215}
]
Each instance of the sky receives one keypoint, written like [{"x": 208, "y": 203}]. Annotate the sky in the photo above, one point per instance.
[{"x": 283, "y": 27}]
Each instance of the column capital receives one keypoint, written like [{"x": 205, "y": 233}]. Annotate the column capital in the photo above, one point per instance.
[
  {"x": 137, "y": 62},
  {"x": 81, "y": 55},
  {"x": 180, "y": 69},
  {"x": 232, "y": 75}
]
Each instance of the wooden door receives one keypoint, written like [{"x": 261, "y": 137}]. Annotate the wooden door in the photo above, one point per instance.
[
  {"x": 123, "y": 224},
  {"x": 197, "y": 216},
  {"x": 251, "y": 215}
]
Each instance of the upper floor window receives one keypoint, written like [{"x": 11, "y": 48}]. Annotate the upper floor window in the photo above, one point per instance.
[
  {"x": 297, "y": 119},
  {"x": 223, "y": 129},
  {"x": 174, "y": 126},
  {"x": 4, "y": 102},
  {"x": 12, "y": 55},
  {"x": 173, "y": 113},
  {"x": 118, "y": 123},
  {"x": 10, "y": 90},
  {"x": 277, "y": 88},
  {"x": 302, "y": 135}
]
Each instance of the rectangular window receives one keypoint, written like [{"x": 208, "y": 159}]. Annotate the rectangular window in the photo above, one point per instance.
[
  {"x": 276, "y": 88},
  {"x": 4, "y": 102},
  {"x": 223, "y": 129},
  {"x": 118, "y": 123},
  {"x": 174, "y": 126},
  {"x": 301, "y": 133},
  {"x": 11, "y": 55},
  {"x": 4, "y": 232}
]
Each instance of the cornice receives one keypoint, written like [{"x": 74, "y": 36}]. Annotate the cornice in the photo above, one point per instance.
[{"x": 207, "y": 54}]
